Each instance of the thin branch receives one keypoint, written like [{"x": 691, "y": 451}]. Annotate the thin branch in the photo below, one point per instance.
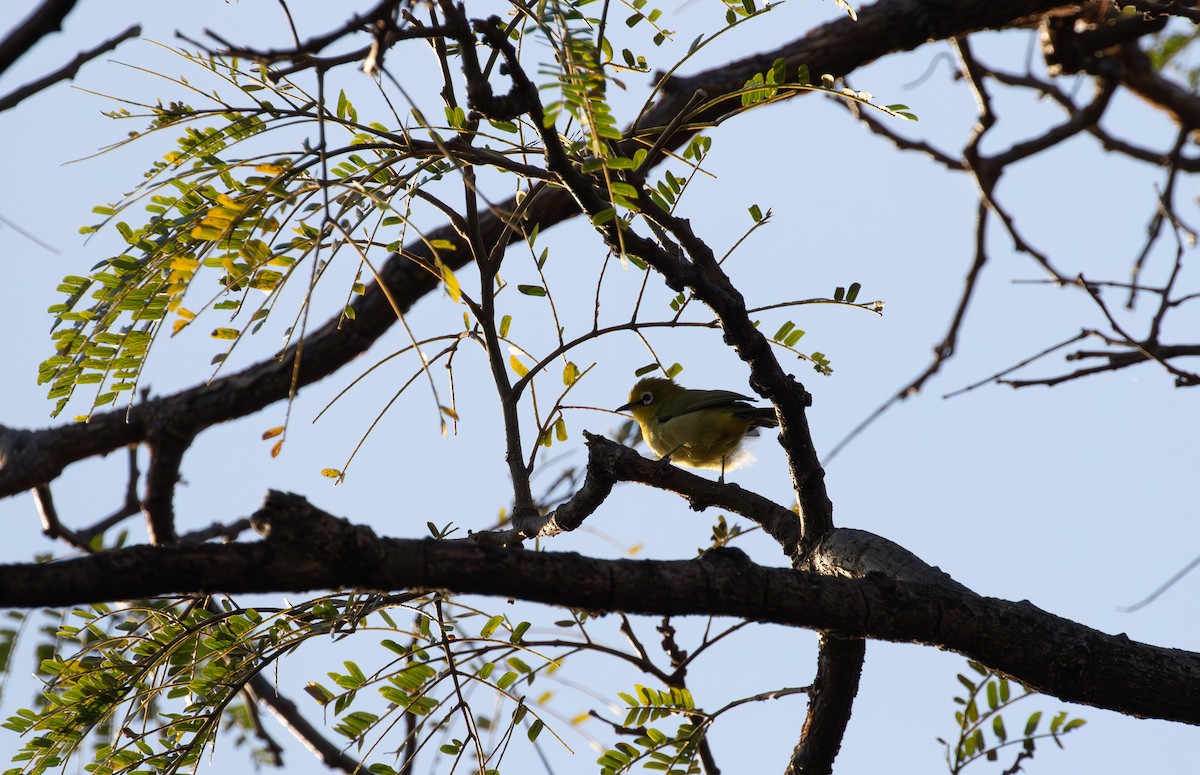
[
  {"x": 626, "y": 629},
  {"x": 274, "y": 749},
  {"x": 867, "y": 118},
  {"x": 462, "y": 704},
  {"x": 774, "y": 694},
  {"x": 943, "y": 351},
  {"x": 1165, "y": 586},
  {"x": 985, "y": 170},
  {"x": 699, "y": 722},
  {"x": 997, "y": 376},
  {"x": 132, "y": 504},
  {"x": 44, "y": 20},
  {"x": 1162, "y": 212},
  {"x": 286, "y": 712},
  {"x": 1150, "y": 352},
  {"x": 52, "y": 526},
  {"x": 226, "y": 533},
  {"x": 67, "y": 71},
  {"x": 306, "y": 52}
]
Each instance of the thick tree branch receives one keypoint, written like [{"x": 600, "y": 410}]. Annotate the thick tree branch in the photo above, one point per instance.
[
  {"x": 839, "y": 668},
  {"x": 306, "y": 549}
]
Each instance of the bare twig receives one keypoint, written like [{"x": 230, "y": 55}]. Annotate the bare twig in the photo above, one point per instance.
[
  {"x": 44, "y": 20},
  {"x": 132, "y": 504},
  {"x": 69, "y": 70},
  {"x": 52, "y": 526},
  {"x": 286, "y": 712},
  {"x": 1165, "y": 586},
  {"x": 996, "y": 377},
  {"x": 943, "y": 351}
]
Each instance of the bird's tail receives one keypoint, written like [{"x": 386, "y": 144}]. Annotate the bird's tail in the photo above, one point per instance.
[{"x": 760, "y": 417}]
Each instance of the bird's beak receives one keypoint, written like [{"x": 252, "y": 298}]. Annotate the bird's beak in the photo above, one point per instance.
[{"x": 627, "y": 406}]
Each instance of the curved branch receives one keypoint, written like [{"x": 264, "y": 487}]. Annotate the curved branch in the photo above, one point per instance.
[{"x": 609, "y": 462}]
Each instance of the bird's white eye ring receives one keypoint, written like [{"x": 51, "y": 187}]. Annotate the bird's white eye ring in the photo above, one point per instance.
[{"x": 647, "y": 398}]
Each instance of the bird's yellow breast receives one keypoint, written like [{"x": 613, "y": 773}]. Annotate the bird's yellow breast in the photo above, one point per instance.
[{"x": 707, "y": 438}]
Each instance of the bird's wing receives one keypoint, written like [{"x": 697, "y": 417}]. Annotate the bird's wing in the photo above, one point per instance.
[{"x": 709, "y": 400}]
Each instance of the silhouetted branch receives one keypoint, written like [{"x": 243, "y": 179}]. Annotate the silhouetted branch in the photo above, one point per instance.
[
  {"x": 67, "y": 71},
  {"x": 306, "y": 549},
  {"x": 46, "y": 19}
]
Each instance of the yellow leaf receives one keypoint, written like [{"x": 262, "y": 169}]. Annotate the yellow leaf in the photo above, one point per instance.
[
  {"x": 184, "y": 264},
  {"x": 178, "y": 326},
  {"x": 207, "y": 232},
  {"x": 560, "y": 430},
  {"x": 276, "y": 448},
  {"x": 230, "y": 203},
  {"x": 331, "y": 473},
  {"x": 225, "y": 333},
  {"x": 219, "y": 217},
  {"x": 452, "y": 286},
  {"x": 581, "y": 718},
  {"x": 271, "y": 169},
  {"x": 570, "y": 374},
  {"x": 442, "y": 244},
  {"x": 271, "y": 433},
  {"x": 265, "y": 280},
  {"x": 517, "y": 366},
  {"x": 255, "y": 250},
  {"x": 453, "y": 415},
  {"x": 186, "y": 313}
]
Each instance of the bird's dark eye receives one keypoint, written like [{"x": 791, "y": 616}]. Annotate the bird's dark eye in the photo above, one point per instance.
[{"x": 647, "y": 398}]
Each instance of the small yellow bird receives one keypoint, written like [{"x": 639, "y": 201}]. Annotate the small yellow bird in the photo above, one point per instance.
[{"x": 696, "y": 428}]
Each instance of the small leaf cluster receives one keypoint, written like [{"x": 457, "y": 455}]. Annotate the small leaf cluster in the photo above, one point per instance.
[
  {"x": 162, "y": 673},
  {"x": 427, "y": 678},
  {"x": 983, "y": 732},
  {"x": 152, "y": 683},
  {"x": 675, "y": 754}
]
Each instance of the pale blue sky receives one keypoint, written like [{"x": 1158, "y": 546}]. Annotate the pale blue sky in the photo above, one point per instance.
[{"x": 1081, "y": 498}]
